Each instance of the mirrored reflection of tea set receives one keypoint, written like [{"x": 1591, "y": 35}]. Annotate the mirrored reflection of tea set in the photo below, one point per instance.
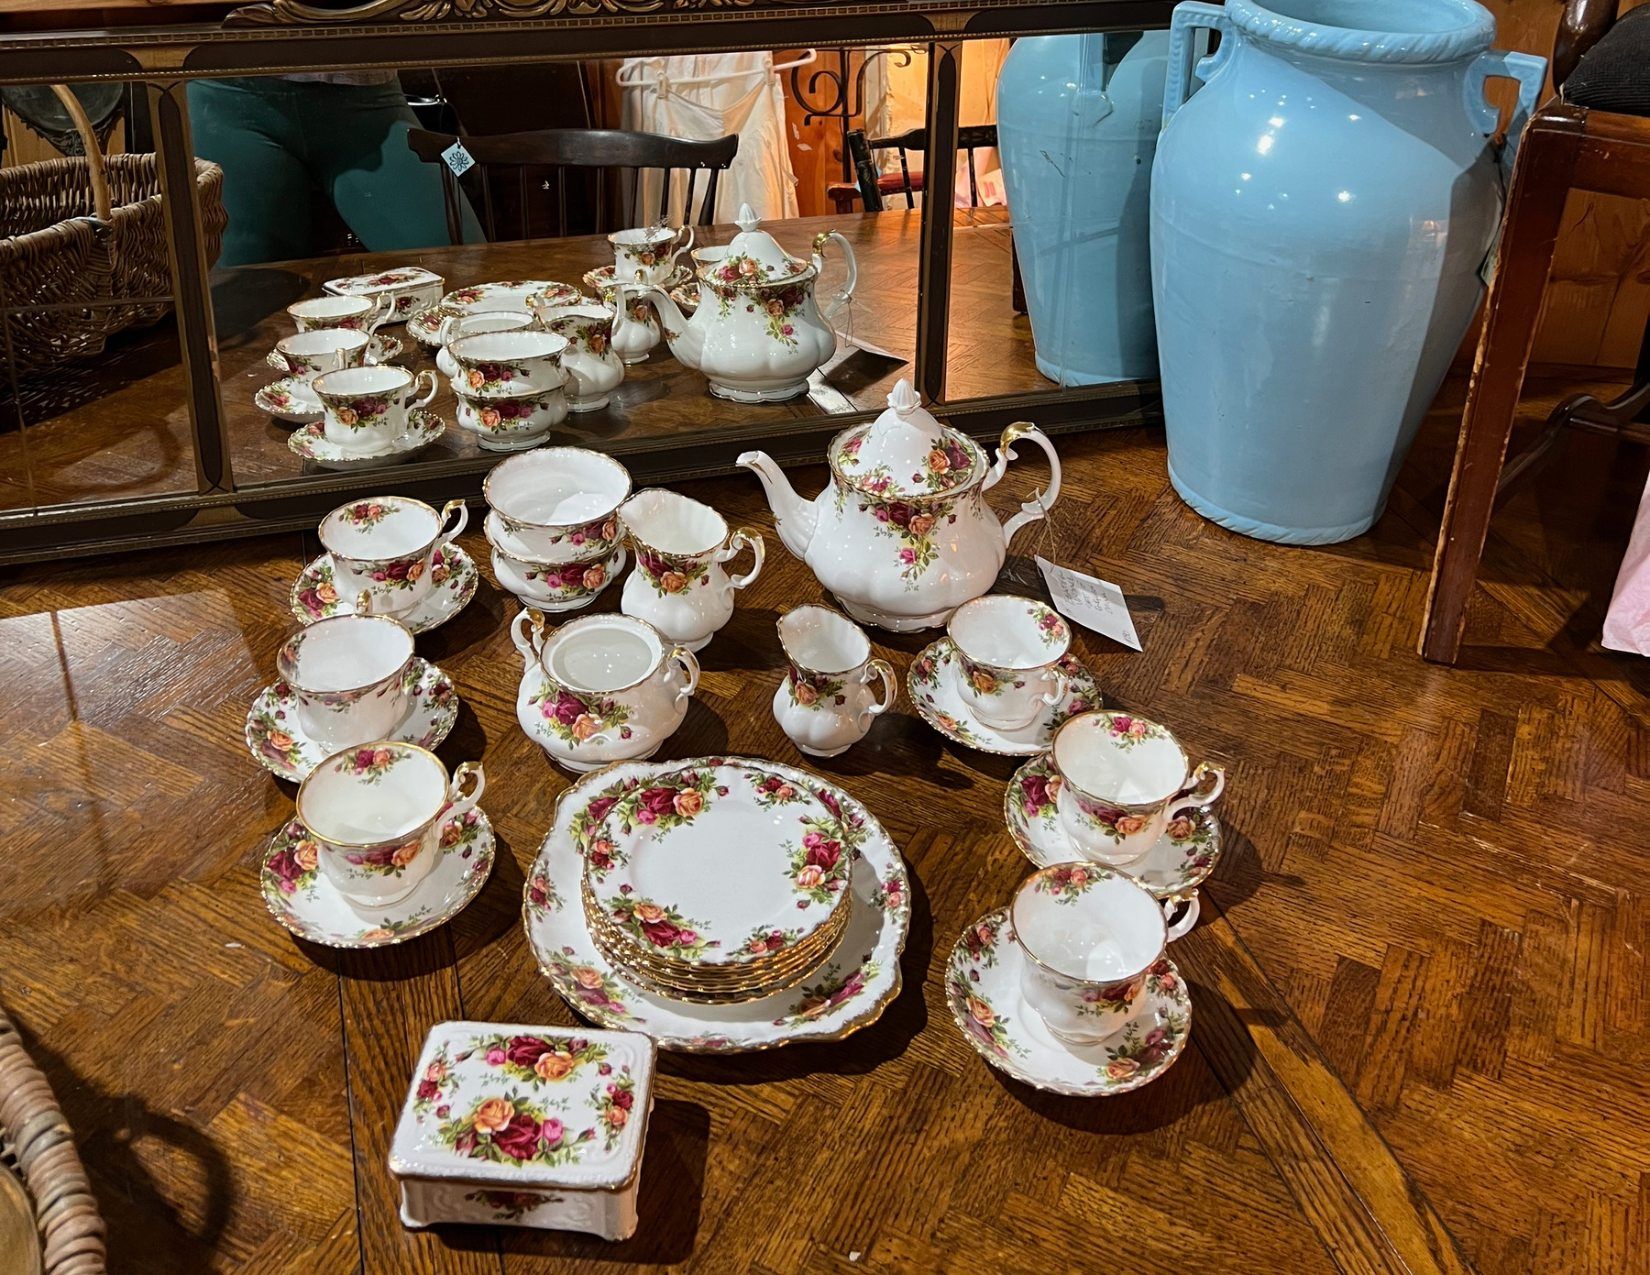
[{"x": 521, "y": 355}]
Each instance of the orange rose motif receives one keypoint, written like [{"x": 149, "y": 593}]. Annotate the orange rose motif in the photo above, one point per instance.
[
  {"x": 306, "y": 854},
  {"x": 1128, "y": 825},
  {"x": 616, "y": 1117},
  {"x": 650, "y": 912},
  {"x": 587, "y": 977},
  {"x": 981, "y": 1013},
  {"x": 1121, "y": 1068},
  {"x": 920, "y": 525},
  {"x": 415, "y": 571},
  {"x": 1137, "y": 729},
  {"x": 1053, "y": 786},
  {"x": 326, "y": 593},
  {"x": 436, "y": 1071},
  {"x": 490, "y": 417},
  {"x": 583, "y": 727},
  {"x": 610, "y": 529},
  {"x": 811, "y": 876},
  {"x": 806, "y": 695},
  {"x": 938, "y": 461},
  {"x": 673, "y": 582},
  {"x": 1181, "y": 828},
  {"x": 347, "y": 416},
  {"x": 689, "y": 803},
  {"x": 595, "y": 577},
  {"x": 598, "y": 342},
  {"x": 784, "y": 792},
  {"x": 983, "y": 682},
  {"x": 553, "y": 1065},
  {"x": 280, "y": 740},
  {"x": 757, "y": 946},
  {"x": 404, "y": 855},
  {"x": 492, "y": 1115},
  {"x": 747, "y": 266},
  {"x": 382, "y": 757},
  {"x": 475, "y": 378},
  {"x": 439, "y": 573},
  {"x": 776, "y": 308}
]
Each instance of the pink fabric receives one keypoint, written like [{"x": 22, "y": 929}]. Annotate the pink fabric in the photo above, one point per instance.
[{"x": 1627, "y": 626}]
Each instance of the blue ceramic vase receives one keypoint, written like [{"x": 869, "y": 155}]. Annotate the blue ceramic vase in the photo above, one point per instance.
[
  {"x": 1077, "y": 123},
  {"x": 1321, "y": 211}
]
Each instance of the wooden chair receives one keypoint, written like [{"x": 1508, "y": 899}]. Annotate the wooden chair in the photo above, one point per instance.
[
  {"x": 872, "y": 189},
  {"x": 558, "y": 149},
  {"x": 1595, "y": 136}
]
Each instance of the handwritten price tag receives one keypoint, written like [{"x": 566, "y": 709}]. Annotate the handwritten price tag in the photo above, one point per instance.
[{"x": 1095, "y": 604}]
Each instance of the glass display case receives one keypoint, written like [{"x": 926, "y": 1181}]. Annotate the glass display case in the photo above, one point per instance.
[{"x": 493, "y": 133}]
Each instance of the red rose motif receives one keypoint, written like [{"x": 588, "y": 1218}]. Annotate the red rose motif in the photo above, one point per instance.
[
  {"x": 598, "y": 809},
  {"x": 659, "y": 801},
  {"x": 520, "y": 1138},
  {"x": 524, "y": 1051},
  {"x": 661, "y": 933}
]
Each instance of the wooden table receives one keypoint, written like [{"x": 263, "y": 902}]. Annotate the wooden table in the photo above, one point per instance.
[
  {"x": 118, "y": 427},
  {"x": 1420, "y": 1034}
]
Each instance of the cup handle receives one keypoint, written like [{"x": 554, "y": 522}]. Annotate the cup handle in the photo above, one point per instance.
[
  {"x": 1207, "y": 776},
  {"x": 423, "y": 378},
  {"x": 745, "y": 538},
  {"x": 280, "y": 363},
  {"x": 459, "y": 805},
  {"x": 880, "y": 667},
  {"x": 383, "y": 309},
  {"x": 447, "y": 511},
  {"x": 1061, "y": 684},
  {"x": 689, "y": 664},
  {"x": 364, "y": 602},
  {"x": 1182, "y": 927}
]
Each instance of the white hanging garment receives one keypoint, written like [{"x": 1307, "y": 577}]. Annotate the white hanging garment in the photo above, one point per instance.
[{"x": 737, "y": 93}]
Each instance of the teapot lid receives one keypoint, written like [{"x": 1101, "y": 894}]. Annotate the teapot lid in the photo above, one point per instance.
[
  {"x": 905, "y": 452},
  {"x": 755, "y": 256}
]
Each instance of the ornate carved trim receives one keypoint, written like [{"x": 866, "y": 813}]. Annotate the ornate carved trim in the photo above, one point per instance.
[{"x": 297, "y": 13}]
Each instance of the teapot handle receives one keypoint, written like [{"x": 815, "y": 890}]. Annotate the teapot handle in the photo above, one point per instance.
[
  {"x": 880, "y": 668},
  {"x": 689, "y": 664},
  {"x": 846, "y": 293},
  {"x": 1030, "y": 510}
]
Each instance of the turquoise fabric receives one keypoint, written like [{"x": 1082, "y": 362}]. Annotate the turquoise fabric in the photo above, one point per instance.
[{"x": 285, "y": 146}]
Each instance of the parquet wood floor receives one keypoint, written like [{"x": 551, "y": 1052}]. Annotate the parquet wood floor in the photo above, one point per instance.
[{"x": 1420, "y": 1039}]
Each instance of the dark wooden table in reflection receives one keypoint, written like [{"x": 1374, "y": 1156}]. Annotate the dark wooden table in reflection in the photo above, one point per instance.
[{"x": 118, "y": 428}]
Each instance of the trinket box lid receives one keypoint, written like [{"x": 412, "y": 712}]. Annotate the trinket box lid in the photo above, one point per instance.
[
  {"x": 905, "y": 451},
  {"x": 395, "y": 278},
  {"x": 506, "y": 1103}
]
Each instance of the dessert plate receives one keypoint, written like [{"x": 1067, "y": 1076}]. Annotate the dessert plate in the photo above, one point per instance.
[
  {"x": 276, "y": 738},
  {"x": 703, "y": 864},
  {"x": 302, "y": 897},
  {"x": 982, "y": 986},
  {"x": 1183, "y": 858},
  {"x": 289, "y": 399},
  {"x": 847, "y": 992},
  {"x": 452, "y": 572},
  {"x": 311, "y": 442},
  {"x": 931, "y": 684}
]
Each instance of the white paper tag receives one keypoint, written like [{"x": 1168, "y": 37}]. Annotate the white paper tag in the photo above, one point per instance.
[
  {"x": 458, "y": 159},
  {"x": 1095, "y": 604}
]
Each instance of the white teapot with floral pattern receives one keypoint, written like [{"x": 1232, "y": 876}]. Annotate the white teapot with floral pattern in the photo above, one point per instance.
[
  {"x": 757, "y": 333},
  {"x": 902, "y": 533}
]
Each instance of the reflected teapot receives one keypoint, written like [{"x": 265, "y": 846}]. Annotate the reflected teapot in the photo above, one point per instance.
[
  {"x": 757, "y": 333},
  {"x": 902, "y": 534}
]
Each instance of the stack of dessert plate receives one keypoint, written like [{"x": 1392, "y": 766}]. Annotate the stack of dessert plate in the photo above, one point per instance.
[{"x": 717, "y": 884}]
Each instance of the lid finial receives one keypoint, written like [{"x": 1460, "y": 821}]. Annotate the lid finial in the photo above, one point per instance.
[
  {"x": 904, "y": 399},
  {"x": 747, "y": 219}
]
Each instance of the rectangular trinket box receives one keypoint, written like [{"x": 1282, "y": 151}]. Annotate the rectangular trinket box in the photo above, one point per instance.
[{"x": 513, "y": 1125}]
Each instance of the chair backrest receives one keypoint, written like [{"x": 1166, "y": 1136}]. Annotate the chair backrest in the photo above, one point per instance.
[
  {"x": 558, "y": 149},
  {"x": 970, "y": 138}
]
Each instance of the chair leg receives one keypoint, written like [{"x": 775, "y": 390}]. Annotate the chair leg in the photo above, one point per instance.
[{"x": 1534, "y": 209}]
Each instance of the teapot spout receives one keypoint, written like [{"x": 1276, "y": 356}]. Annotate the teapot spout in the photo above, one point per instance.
[
  {"x": 794, "y": 518},
  {"x": 686, "y": 341}
]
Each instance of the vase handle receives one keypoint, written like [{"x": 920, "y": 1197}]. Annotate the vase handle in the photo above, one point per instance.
[
  {"x": 1531, "y": 74},
  {"x": 1184, "y": 23}
]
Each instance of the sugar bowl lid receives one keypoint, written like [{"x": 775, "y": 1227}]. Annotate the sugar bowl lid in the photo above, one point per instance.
[
  {"x": 755, "y": 256},
  {"x": 905, "y": 452}
]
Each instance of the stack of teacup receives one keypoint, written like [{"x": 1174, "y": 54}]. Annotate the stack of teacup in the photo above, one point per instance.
[
  {"x": 509, "y": 381},
  {"x": 554, "y": 527}
]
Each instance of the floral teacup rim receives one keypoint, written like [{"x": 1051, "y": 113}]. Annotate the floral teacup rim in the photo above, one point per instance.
[
  {"x": 1190, "y": 779},
  {"x": 1083, "y": 873},
  {"x": 456, "y": 782},
  {"x": 440, "y": 515},
  {"x": 286, "y": 664}
]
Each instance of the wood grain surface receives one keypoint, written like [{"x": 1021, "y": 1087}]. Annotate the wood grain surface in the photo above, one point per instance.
[{"x": 1420, "y": 1038}]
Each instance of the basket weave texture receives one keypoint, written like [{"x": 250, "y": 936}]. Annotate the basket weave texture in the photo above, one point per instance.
[
  {"x": 55, "y": 251},
  {"x": 37, "y": 1139}
]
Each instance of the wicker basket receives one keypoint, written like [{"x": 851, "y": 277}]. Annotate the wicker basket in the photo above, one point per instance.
[
  {"x": 36, "y": 1140},
  {"x": 89, "y": 231}
]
